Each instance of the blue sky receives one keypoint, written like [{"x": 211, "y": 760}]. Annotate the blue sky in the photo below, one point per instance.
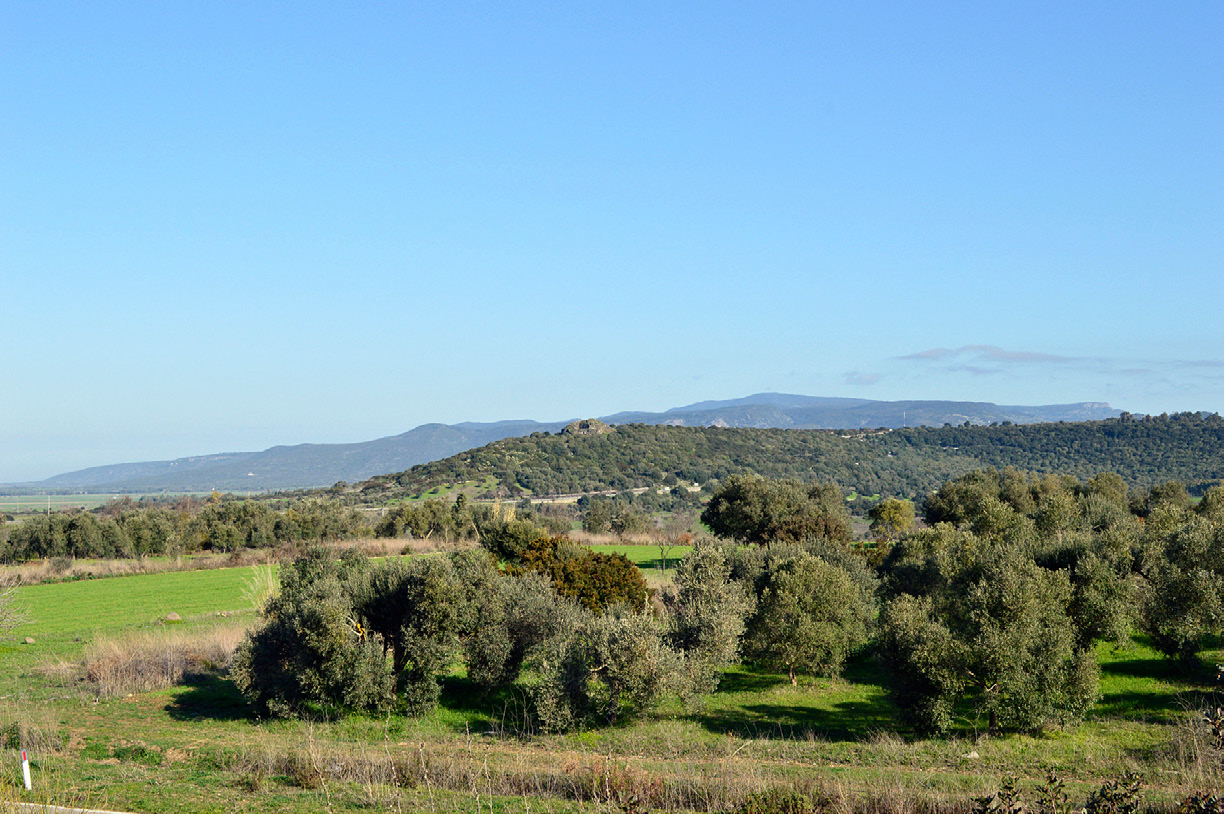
[{"x": 226, "y": 226}]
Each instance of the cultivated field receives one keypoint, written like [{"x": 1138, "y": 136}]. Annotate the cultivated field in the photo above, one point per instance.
[
  {"x": 83, "y": 698},
  {"x": 13, "y": 504}
]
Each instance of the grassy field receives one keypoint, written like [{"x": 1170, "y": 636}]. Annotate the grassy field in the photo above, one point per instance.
[
  {"x": 656, "y": 564},
  {"x": 27, "y": 504},
  {"x": 198, "y": 747},
  {"x": 36, "y": 503}
]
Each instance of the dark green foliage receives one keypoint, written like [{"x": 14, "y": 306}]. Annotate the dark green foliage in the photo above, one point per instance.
[
  {"x": 909, "y": 462},
  {"x": 1116, "y": 796},
  {"x": 1119, "y": 796},
  {"x": 1006, "y": 800},
  {"x": 505, "y": 617},
  {"x": 1211, "y": 507},
  {"x": 777, "y": 801},
  {"x": 756, "y": 510},
  {"x": 138, "y": 753},
  {"x": 993, "y": 625},
  {"x": 512, "y": 540},
  {"x": 925, "y": 658},
  {"x": 603, "y": 669},
  {"x": 891, "y": 518},
  {"x": 129, "y": 529},
  {"x": 1105, "y": 594},
  {"x": 312, "y": 650},
  {"x": 414, "y": 606},
  {"x": 810, "y": 616},
  {"x": 1202, "y": 803},
  {"x": 921, "y": 564},
  {"x": 1051, "y": 796},
  {"x": 706, "y": 615},
  {"x": 1185, "y": 569},
  {"x": 432, "y": 520},
  {"x": 1172, "y": 495},
  {"x": 597, "y": 581}
]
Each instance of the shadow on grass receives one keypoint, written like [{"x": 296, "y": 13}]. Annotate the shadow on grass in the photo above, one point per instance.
[
  {"x": 474, "y": 708},
  {"x": 213, "y": 697},
  {"x": 843, "y": 721},
  {"x": 1160, "y": 669},
  {"x": 856, "y": 718}
]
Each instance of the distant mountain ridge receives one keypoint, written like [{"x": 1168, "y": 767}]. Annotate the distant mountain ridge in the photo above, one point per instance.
[{"x": 303, "y": 466}]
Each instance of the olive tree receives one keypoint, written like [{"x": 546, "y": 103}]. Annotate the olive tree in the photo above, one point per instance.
[
  {"x": 810, "y": 617},
  {"x": 891, "y": 518},
  {"x": 413, "y": 606},
  {"x": 606, "y": 668},
  {"x": 753, "y": 509},
  {"x": 995, "y": 630},
  {"x": 312, "y": 650},
  {"x": 1185, "y": 599},
  {"x": 505, "y": 617},
  {"x": 706, "y": 615}
]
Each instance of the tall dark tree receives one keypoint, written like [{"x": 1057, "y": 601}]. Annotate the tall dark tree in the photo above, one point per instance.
[
  {"x": 996, "y": 630},
  {"x": 752, "y": 509}
]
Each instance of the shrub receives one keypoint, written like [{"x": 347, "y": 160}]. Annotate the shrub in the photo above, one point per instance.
[
  {"x": 758, "y": 510},
  {"x": 997, "y": 628},
  {"x": 312, "y": 650},
  {"x": 607, "y": 668},
  {"x": 810, "y": 617},
  {"x": 706, "y": 616},
  {"x": 596, "y": 581},
  {"x": 413, "y": 607},
  {"x": 777, "y": 801}
]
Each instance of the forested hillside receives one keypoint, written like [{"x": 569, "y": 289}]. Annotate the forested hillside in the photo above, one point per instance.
[{"x": 903, "y": 462}]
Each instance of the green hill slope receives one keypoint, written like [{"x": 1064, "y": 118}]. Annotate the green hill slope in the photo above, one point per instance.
[{"x": 904, "y": 462}]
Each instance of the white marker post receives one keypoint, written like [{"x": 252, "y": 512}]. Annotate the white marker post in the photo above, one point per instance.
[{"x": 25, "y": 769}]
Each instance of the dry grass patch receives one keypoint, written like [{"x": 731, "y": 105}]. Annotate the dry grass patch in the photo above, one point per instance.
[
  {"x": 29, "y": 726},
  {"x": 154, "y": 660}
]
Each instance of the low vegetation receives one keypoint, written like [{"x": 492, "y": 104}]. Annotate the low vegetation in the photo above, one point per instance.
[{"x": 1034, "y": 640}]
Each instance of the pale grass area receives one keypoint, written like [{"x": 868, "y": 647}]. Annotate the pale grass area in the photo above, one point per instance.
[
  {"x": 57, "y": 569},
  {"x": 149, "y": 660},
  {"x": 29, "y": 726},
  {"x": 12, "y": 612},
  {"x": 260, "y": 587},
  {"x": 392, "y": 775}
]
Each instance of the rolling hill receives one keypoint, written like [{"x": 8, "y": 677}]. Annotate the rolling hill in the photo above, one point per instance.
[
  {"x": 304, "y": 466},
  {"x": 906, "y": 462}
]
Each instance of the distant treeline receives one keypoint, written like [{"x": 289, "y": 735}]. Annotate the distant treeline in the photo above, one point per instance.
[
  {"x": 910, "y": 462},
  {"x": 137, "y": 529}
]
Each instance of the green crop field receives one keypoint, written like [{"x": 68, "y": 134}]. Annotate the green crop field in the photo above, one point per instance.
[
  {"x": 654, "y": 563},
  {"x": 36, "y": 503},
  {"x": 26, "y": 504},
  {"x": 199, "y": 747}
]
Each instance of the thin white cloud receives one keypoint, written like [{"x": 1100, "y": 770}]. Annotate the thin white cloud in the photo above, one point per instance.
[
  {"x": 969, "y": 354},
  {"x": 861, "y": 379},
  {"x": 976, "y": 370},
  {"x": 986, "y": 360},
  {"x": 933, "y": 353}
]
